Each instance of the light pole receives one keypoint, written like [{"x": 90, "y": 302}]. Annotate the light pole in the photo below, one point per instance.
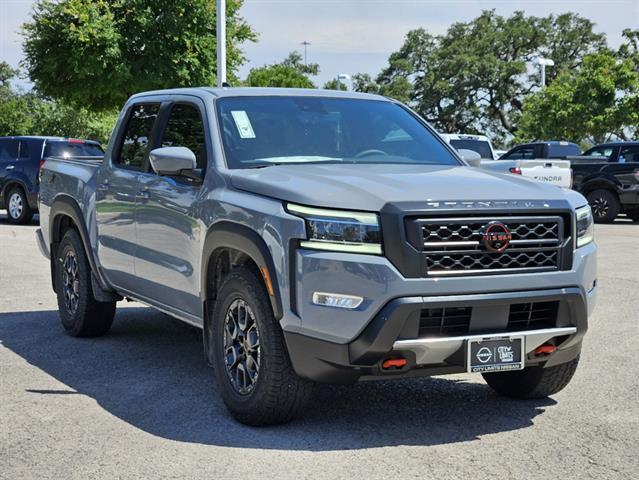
[
  {"x": 342, "y": 76},
  {"x": 542, "y": 62},
  {"x": 306, "y": 44},
  {"x": 221, "y": 42}
]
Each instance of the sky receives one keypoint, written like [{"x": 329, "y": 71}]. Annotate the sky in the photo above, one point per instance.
[{"x": 351, "y": 36}]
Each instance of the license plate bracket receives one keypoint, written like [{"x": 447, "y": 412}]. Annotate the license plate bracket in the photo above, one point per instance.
[{"x": 495, "y": 354}]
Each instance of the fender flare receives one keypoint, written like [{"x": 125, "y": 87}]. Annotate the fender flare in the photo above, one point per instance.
[
  {"x": 226, "y": 234},
  {"x": 65, "y": 205},
  {"x": 599, "y": 181},
  {"x": 9, "y": 182}
]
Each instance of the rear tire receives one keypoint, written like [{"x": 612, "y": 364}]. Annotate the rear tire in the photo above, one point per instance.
[
  {"x": 81, "y": 314},
  {"x": 245, "y": 346},
  {"x": 18, "y": 210},
  {"x": 605, "y": 205},
  {"x": 532, "y": 382}
]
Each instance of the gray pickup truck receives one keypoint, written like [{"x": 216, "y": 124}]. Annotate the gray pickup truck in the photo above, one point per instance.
[{"x": 319, "y": 236}]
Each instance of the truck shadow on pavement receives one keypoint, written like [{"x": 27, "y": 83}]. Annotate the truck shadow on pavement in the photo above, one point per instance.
[{"x": 150, "y": 372}]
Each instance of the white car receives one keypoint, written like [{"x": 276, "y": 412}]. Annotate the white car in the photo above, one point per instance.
[
  {"x": 556, "y": 172},
  {"x": 477, "y": 143}
]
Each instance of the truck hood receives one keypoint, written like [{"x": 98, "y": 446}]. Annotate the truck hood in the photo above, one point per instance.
[{"x": 370, "y": 187}]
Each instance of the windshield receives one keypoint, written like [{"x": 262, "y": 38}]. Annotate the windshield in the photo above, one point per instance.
[
  {"x": 263, "y": 131},
  {"x": 480, "y": 146},
  {"x": 72, "y": 149}
]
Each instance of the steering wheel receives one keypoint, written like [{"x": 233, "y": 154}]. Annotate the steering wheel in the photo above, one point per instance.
[{"x": 372, "y": 151}]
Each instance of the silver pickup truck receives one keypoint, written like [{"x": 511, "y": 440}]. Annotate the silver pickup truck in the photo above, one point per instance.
[{"x": 319, "y": 236}]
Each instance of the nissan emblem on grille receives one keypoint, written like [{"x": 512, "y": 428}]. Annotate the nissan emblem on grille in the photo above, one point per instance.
[{"x": 496, "y": 237}]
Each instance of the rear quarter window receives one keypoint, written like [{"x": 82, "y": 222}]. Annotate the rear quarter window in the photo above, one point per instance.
[
  {"x": 72, "y": 149},
  {"x": 563, "y": 150}
]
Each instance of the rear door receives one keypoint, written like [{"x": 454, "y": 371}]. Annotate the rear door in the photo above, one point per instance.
[
  {"x": 8, "y": 160},
  {"x": 169, "y": 231},
  {"x": 117, "y": 193}
]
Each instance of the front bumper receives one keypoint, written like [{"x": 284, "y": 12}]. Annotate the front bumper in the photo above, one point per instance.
[
  {"x": 338, "y": 345},
  {"x": 394, "y": 332}
]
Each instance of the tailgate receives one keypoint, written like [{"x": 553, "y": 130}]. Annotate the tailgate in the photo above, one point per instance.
[{"x": 556, "y": 172}]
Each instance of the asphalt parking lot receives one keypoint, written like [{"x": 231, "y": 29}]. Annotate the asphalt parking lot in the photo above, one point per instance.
[{"x": 141, "y": 403}]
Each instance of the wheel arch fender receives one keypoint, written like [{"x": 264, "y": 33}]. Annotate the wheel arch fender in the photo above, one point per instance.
[
  {"x": 65, "y": 206},
  {"x": 604, "y": 181},
  {"x": 243, "y": 239},
  {"x": 12, "y": 181}
]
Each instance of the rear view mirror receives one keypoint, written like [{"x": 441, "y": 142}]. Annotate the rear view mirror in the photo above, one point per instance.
[
  {"x": 471, "y": 157},
  {"x": 172, "y": 160}
]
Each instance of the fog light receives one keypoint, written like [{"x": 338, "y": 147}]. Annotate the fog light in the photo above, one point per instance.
[{"x": 337, "y": 300}]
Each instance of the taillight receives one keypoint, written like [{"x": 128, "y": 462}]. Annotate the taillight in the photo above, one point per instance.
[
  {"x": 75, "y": 140},
  {"x": 515, "y": 170},
  {"x": 41, "y": 164}
]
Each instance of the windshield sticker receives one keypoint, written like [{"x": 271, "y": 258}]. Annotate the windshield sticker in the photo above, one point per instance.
[{"x": 243, "y": 124}]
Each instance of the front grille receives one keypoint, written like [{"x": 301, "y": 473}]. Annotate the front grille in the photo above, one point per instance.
[
  {"x": 454, "y": 246},
  {"x": 456, "y": 321},
  {"x": 532, "y": 316},
  {"x": 445, "y": 321}
]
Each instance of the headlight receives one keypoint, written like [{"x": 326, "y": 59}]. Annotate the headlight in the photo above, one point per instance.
[
  {"x": 585, "y": 226},
  {"x": 340, "y": 230}
]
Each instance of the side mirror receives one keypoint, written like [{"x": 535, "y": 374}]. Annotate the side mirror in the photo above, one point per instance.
[
  {"x": 471, "y": 157},
  {"x": 172, "y": 160}
]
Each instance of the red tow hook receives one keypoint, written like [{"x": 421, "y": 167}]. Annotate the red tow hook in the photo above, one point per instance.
[
  {"x": 394, "y": 363},
  {"x": 545, "y": 349}
]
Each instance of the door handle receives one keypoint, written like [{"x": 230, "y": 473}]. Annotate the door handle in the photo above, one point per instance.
[{"x": 10, "y": 167}]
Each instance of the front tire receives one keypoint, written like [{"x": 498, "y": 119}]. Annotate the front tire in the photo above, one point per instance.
[
  {"x": 18, "y": 210},
  {"x": 246, "y": 348},
  {"x": 532, "y": 382},
  {"x": 605, "y": 205},
  {"x": 81, "y": 314}
]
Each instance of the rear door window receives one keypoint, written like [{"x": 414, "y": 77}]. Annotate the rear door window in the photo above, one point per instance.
[
  {"x": 8, "y": 149},
  {"x": 521, "y": 153},
  {"x": 137, "y": 135},
  {"x": 479, "y": 146}
]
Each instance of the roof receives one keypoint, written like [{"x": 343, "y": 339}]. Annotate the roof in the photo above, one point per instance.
[
  {"x": 563, "y": 143},
  {"x": 615, "y": 144},
  {"x": 262, "y": 92},
  {"x": 464, "y": 136},
  {"x": 42, "y": 137}
]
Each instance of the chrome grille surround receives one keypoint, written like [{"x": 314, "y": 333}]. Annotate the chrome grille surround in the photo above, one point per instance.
[{"x": 454, "y": 246}]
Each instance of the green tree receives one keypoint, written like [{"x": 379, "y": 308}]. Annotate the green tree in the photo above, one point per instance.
[
  {"x": 96, "y": 53},
  {"x": 30, "y": 114},
  {"x": 363, "y": 82},
  {"x": 586, "y": 105},
  {"x": 290, "y": 73},
  {"x": 476, "y": 76},
  {"x": 332, "y": 85}
]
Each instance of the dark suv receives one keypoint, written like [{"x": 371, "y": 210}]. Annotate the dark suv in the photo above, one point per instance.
[
  {"x": 608, "y": 175},
  {"x": 20, "y": 162}
]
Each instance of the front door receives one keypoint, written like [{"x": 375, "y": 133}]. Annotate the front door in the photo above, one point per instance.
[
  {"x": 169, "y": 231},
  {"x": 117, "y": 192}
]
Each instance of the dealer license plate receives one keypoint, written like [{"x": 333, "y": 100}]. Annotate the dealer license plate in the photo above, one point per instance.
[{"x": 495, "y": 354}]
